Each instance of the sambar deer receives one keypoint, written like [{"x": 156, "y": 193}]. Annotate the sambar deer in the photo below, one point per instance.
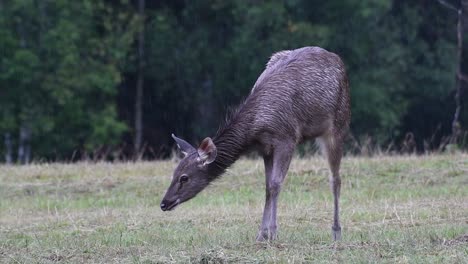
[{"x": 302, "y": 94}]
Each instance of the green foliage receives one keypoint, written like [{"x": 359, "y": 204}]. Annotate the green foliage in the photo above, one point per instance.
[
  {"x": 61, "y": 77},
  {"x": 68, "y": 69}
]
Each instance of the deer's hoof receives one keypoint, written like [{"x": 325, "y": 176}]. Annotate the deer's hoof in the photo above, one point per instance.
[
  {"x": 336, "y": 233},
  {"x": 266, "y": 235}
]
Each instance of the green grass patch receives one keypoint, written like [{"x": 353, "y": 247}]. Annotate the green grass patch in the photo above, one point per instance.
[{"x": 394, "y": 210}]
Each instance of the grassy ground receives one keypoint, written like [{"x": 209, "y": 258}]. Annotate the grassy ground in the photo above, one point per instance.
[{"x": 394, "y": 210}]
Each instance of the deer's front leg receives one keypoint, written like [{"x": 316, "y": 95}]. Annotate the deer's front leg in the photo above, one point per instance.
[
  {"x": 265, "y": 232},
  {"x": 276, "y": 167}
]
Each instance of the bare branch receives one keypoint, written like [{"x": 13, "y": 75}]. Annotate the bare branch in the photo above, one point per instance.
[{"x": 449, "y": 6}]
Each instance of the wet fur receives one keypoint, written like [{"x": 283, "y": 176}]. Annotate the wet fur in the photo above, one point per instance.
[{"x": 302, "y": 94}]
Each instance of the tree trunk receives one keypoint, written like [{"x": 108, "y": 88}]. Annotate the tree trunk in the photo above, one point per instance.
[
  {"x": 456, "y": 123},
  {"x": 205, "y": 105},
  {"x": 460, "y": 77},
  {"x": 461, "y": 10},
  {"x": 24, "y": 147},
  {"x": 139, "y": 85},
  {"x": 8, "y": 148}
]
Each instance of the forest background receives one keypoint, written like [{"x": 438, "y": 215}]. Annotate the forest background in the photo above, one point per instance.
[{"x": 101, "y": 79}]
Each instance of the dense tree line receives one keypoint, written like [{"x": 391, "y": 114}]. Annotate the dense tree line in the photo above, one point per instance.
[{"x": 70, "y": 71}]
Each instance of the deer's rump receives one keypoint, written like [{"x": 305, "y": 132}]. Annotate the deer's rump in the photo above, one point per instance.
[{"x": 302, "y": 93}]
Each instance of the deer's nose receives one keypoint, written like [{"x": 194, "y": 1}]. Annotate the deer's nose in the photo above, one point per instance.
[{"x": 163, "y": 206}]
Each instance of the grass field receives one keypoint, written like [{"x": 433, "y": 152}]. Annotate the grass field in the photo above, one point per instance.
[{"x": 394, "y": 210}]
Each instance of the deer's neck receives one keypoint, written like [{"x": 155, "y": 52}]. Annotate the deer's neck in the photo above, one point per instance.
[{"x": 231, "y": 142}]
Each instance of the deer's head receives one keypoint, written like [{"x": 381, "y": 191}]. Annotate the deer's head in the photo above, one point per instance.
[{"x": 191, "y": 175}]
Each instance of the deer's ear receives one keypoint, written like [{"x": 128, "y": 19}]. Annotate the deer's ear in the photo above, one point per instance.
[
  {"x": 207, "y": 151},
  {"x": 183, "y": 145}
]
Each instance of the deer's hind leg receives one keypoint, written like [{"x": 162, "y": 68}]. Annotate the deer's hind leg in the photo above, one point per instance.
[{"x": 332, "y": 147}]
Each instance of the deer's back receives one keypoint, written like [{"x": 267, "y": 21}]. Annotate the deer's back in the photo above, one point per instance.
[{"x": 302, "y": 93}]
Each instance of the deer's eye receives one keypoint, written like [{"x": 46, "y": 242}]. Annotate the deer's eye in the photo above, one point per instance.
[{"x": 183, "y": 179}]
